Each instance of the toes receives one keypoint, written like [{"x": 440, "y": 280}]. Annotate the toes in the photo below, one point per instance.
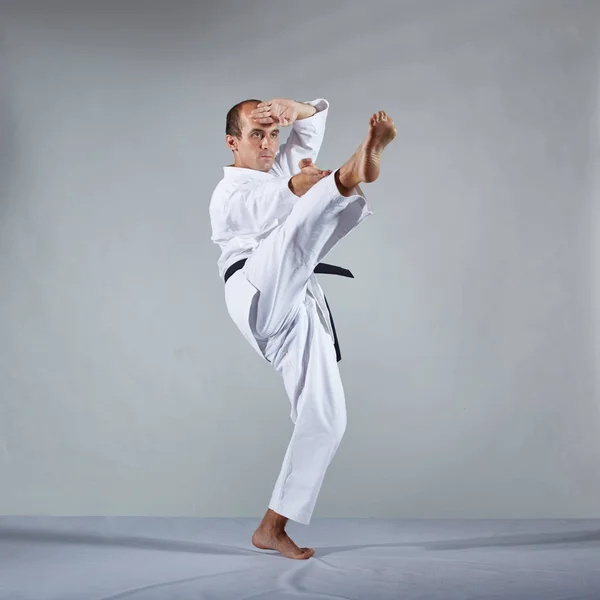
[{"x": 378, "y": 117}]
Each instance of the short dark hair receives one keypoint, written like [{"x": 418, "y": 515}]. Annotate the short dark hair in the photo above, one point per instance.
[{"x": 234, "y": 122}]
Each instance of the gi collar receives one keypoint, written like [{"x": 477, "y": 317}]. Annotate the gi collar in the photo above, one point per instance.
[{"x": 243, "y": 173}]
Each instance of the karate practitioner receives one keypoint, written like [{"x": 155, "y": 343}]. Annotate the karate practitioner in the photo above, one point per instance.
[{"x": 275, "y": 215}]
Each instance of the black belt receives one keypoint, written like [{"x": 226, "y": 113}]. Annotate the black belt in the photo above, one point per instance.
[{"x": 320, "y": 268}]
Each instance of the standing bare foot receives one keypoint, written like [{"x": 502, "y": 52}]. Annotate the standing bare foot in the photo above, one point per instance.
[
  {"x": 271, "y": 535},
  {"x": 279, "y": 540},
  {"x": 363, "y": 166}
]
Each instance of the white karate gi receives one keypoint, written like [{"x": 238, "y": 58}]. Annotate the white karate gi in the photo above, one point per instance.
[{"x": 276, "y": 300}]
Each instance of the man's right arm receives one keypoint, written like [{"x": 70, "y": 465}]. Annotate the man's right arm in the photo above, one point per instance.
[{"x": 253, "y": 204}]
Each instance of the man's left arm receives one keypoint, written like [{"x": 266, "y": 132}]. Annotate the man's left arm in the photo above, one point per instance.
[{"x": 305, "y": 138}]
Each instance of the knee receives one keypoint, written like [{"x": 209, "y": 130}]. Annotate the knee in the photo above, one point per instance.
[{"x": 268, "y": 322}]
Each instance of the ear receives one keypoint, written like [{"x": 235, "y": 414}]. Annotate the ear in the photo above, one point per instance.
[{"x": 231, "y": 142}]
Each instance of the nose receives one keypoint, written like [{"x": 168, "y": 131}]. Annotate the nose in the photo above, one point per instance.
[{"x": 264, "y": 143}]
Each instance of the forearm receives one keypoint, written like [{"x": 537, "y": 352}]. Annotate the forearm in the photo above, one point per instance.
[
  {"x": 305, "y": 111},
  {"x": 299, "y": 185}
]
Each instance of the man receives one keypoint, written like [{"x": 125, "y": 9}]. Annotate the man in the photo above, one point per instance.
[{"x": 275, "y": 215}]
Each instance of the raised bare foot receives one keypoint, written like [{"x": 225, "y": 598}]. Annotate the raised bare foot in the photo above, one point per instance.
[
  {"x": 364, "y": 164},
  {"x": 381, "y": 132},
  {"x": 266, "y": 539}
]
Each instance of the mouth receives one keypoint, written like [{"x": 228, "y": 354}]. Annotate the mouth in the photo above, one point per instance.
[{"x": 266, "y": 156}]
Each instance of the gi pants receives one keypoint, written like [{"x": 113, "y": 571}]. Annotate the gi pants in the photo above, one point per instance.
[{"x": 278, "y": 305}]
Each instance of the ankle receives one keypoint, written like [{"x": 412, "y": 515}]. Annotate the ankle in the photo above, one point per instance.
[
  {"x": 272, "y": 529},
  {"x": 344, "y": 181},
  {"x": 273, "y": 521}
]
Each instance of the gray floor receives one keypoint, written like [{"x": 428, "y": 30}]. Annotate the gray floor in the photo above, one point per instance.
[{"x": 97, "y": 558}]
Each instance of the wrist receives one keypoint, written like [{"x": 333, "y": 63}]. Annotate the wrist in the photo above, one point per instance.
[
  {"x": 293, "y": 184},
  {"x": 299, "y": 184}
]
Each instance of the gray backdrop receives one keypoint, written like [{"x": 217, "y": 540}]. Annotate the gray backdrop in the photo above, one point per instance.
[{"x": 470, "y": 334}]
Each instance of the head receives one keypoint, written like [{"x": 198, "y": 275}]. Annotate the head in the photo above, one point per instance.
[{"x": 254, "y": 145}]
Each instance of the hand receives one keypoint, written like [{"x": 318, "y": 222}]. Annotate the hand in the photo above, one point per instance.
[
  {"x": 309, "y": 168},
  {"x": 310, "y": 175},
  {"x": 279, "y": 110}
]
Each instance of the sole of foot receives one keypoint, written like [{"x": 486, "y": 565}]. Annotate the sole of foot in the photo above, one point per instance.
[{"x": 381, "y": 132}]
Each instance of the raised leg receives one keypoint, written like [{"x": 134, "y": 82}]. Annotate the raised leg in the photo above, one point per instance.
[{"x": 281, "y": 266}]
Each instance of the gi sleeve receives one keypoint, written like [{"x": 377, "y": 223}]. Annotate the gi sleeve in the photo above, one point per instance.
[
  {"x": 304, "y": 141},
  {"x": 259, "y": 205}
]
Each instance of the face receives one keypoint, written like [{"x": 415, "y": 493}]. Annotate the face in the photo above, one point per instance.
[{"x": 258, "y": 145}]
